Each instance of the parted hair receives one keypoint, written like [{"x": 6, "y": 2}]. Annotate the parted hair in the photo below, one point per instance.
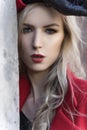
[{"x": 56, "y": 83}]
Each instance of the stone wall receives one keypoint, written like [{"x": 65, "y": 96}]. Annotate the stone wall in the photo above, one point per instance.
[{"x": 9, "y": 95}]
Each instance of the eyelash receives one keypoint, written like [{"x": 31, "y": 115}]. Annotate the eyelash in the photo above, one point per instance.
[
  {"x": 27, "y": 30},
  {"x": 49, "y": 31}
]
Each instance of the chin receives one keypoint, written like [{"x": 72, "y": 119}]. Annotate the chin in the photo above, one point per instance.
[{"x": 38, "y": 69}]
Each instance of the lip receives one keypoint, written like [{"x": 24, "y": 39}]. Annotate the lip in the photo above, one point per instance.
[{"x": 37, "y": 58}]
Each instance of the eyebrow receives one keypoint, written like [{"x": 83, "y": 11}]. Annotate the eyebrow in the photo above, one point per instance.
[
  {"x": 26, "y": 24},
  {"x": 46, "y": 26},
  {"x": 50, "y": 25}
]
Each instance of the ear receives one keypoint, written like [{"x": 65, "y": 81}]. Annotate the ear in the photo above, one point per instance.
[{"x": 20, "y": 5}]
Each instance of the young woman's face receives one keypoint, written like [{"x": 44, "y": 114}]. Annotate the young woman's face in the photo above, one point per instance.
[{"x": 41, "y": 38}]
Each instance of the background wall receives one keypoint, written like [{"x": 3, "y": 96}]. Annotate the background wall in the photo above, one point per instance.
[
  {"x": 9, "y": 95},
  {"x": 84, "y": 53},
  {"x": 83, "y": 47}
]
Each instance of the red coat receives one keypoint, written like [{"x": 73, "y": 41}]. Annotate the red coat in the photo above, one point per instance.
[{"x": 62, "y": 120}]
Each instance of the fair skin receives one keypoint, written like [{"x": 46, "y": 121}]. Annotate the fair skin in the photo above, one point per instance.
[{"x": 42, "y": 34}]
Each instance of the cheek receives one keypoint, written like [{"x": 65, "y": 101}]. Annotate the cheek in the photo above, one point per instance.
[
  {"x": 23, "y": 49},
  {"x": 24, "y": 44},
  {"x": 55, "y": 47},
  {"x": 56, "y": 43}
]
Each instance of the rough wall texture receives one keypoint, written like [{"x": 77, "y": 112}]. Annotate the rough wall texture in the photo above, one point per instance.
[{"x": 9, "y": 100}]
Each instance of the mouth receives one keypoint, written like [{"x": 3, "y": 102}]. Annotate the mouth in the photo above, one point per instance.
[{"x": 37, "y": 58}]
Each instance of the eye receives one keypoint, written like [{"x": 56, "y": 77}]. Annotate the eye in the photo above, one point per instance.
[
  {"x": 27, "y": 30},
  {"x": 51, "y": 31}
]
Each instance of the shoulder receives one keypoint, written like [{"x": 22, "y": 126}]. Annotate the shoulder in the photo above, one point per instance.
[
  {"x": 24, "y": 84},
  {"x": 78, "y": 90},
  {"x": 76, "y": 100},
  {"x": 24, "y": 89},
  {"x": 76, "y": 81},
  {"x": 23, "y": 80}
]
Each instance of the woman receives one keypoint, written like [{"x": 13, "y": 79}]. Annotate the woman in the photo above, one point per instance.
[{"x": 51, "y": 97}]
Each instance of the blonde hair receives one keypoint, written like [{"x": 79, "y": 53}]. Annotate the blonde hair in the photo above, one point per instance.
[{"x": 56, "y": 80}]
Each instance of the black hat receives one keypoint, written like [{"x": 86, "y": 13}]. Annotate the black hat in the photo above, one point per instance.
[{"x": 66, "y": 7}]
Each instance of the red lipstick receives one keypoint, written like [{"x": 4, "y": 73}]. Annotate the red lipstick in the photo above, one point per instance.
[{"x": 37, "y": 58}]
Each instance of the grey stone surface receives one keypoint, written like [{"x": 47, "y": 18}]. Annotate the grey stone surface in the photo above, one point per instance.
[{"x": 9, "y": 91}]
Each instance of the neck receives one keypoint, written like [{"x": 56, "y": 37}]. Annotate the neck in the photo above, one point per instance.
[{"x": 37, "y": 80}]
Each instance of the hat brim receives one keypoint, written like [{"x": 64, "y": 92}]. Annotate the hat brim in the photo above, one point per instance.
[{"x": 65, "y": 7}]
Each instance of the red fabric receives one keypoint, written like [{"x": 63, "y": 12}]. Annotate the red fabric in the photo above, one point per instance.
[
  {"x": 24, "y": 90},
  {"x": 62, "y": 120},
  {"x": 20, "y": 5}
]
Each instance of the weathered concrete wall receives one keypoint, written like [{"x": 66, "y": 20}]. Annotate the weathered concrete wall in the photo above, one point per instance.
[{"x": 9, "y": 100}]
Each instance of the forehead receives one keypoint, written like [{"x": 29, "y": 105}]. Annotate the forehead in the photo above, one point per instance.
[{"x": 41, "y": 15}]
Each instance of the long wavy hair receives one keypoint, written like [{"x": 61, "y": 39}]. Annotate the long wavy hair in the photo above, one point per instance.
[{"x": 56, "y": 83}]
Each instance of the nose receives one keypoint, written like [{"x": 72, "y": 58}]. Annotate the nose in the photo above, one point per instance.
[{"x": 37, "y": 40}]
